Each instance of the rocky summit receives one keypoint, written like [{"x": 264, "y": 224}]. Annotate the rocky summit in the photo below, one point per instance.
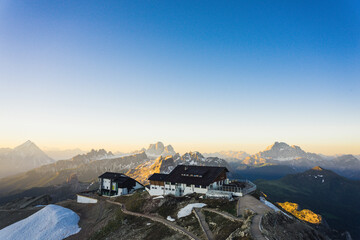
[
  {"x": 158, "y": 149},
  {"x": 22, "y": 158}
]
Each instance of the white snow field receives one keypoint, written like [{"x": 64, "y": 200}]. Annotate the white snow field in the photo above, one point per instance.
[
  {"x": 186, "y": 211},
  {"x": 52, "y": 222},
  {"x": 269, "y": 204}
]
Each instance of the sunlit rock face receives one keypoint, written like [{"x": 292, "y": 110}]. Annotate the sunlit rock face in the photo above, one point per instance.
[
  {"x": 155, "y": 149},
  {"x": 158, "y": 149},
  {"x": 283, "y": 152},
  {"x": 280, "y": 152},
  {"x": 167, "y": 164},
  {"x": 168, "y": 150},
  {"x": 146, "y": 169},
  {"x": 100, "y": 154},
  {"x": 305, "y": 214},
  {"x": 317, "y": 168}
]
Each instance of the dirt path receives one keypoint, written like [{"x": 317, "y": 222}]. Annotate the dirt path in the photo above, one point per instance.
[
  {"x": 205, "y": 227},
  {"x": 157, "y": 219},
  {"x": 259, "y": 208},
  {"x": 223, "y": 214}
]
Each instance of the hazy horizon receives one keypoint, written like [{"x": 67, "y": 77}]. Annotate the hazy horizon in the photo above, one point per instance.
[
  {"x": 187, "y": 147},
  {"x": 203, "y": 76}
]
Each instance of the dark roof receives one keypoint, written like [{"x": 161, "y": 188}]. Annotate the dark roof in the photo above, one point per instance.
[
  {"x": 111, "y": 175},
  {"x": 125, "y": 182},
  {"x": 158, "y": 177},
  {"x": 197, "y": 175},
  {"x": 122, "y": 180}
]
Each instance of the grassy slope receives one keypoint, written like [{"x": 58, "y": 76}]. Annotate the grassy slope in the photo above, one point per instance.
[{"x": 337, "y": 199}]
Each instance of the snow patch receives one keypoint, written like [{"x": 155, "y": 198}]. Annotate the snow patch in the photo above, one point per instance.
[
  {"x": 269, "y": 204},
  {"x": 51, "y": 222},
  {"x": 169, "y": 218},
  {"x": 158, "y": 197},
  {"x": 186, "y": 211}
]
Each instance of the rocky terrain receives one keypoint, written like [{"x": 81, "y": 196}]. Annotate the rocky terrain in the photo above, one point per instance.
[
  {"x": 141, "y": 216},
  {"x": 278, "y": 226}
]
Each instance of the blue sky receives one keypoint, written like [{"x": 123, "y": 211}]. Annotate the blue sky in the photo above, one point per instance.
[{"x": 204, "y": 75}]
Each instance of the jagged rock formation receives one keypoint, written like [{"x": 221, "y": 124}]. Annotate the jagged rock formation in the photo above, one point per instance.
[
  {"x": 281, "y": 153},
  {"x": 168, "y": 163},
  {"x": 158, "y": 149},
  {"x": 196, "y": 158},
  {"x": 155, "y": 149},
  {"x": 168, "y": 150},
  {"x": 100, "y": 154},
  {"x": 22, "y": 158},
  {"x": 144, "y": 170}
]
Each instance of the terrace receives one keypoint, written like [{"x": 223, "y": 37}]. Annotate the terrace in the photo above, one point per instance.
[{"x": 236, "y": 187}]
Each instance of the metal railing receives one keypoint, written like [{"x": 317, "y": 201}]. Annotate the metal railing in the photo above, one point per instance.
[{"x": 249, "y": 187}]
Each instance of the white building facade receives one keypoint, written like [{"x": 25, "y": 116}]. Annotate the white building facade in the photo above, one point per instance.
[{"x": 185, "y": 180}]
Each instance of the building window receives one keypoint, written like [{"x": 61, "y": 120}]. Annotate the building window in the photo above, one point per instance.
[
  {"x": 188, "y": 185},
  {"x": 197, "y": 186}
]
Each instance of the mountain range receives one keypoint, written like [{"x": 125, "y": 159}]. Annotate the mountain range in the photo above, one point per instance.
[
  {"x": 168, "y": 163},
  {"x": 35, "y": 174},
  {"x": 87, "y": 167},
  {"x": 282, "y": 154},
  {"x": 33, "y": 168},
  {"x": 22, "y": 158}
]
